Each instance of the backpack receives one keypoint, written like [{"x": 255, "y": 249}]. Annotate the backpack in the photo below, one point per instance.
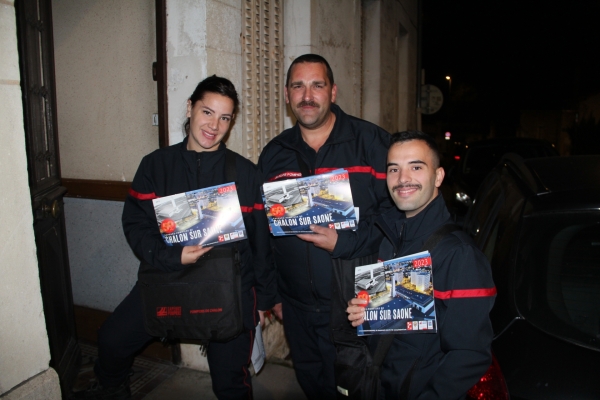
[
  {"x": 356, "y": 367},
  {"x": 202, "y": 301}
]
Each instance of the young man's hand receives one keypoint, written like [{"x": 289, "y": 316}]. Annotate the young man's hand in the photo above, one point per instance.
[{"x": 356, "y": 311}]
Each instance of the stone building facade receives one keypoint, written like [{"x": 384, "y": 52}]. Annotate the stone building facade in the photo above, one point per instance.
[{"x": 106, "y": 98}]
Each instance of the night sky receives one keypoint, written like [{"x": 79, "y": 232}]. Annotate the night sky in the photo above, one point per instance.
[{"x": 508, "y": 56}]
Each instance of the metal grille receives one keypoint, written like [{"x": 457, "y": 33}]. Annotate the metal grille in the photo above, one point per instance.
[{"x": 262, "y": 44}]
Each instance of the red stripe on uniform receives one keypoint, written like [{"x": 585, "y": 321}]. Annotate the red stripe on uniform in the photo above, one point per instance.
[
  {"x": 463, "y": 293},
  {"x": 142, "y": 196},
  {"x": 362, "y": 170},
  {"x": 247, "y": 209}
]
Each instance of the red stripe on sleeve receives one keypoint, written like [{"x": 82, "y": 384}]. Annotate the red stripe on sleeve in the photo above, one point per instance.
[
  {"x": 256, "y": 206},
  {"x": 464, "y": 293},
  {"x": 142, "y": 196},
  {"x": 362, "y": 169},
  {"x": 320, "y": 171}
]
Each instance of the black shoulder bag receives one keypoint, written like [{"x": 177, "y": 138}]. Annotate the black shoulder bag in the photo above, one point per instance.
[
  {"x": 356, "y": 368},
  {"x": 202, "y": 301}
]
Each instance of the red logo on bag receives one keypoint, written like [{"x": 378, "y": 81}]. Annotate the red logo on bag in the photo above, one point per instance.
[
  {"x": 206, "y": 310},
  {"x": 163, "y": 312}
]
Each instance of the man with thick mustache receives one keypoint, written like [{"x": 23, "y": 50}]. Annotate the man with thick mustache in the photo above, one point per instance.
[
  {"x": 323, "y": 139},
  {"x": 444, "y": 365}
]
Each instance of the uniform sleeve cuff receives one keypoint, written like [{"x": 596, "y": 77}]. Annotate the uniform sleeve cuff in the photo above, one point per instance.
[{"x": 344, "y": 245}]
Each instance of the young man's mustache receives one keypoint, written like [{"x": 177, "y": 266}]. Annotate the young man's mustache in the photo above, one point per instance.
[{"x": 407, "y": 185}]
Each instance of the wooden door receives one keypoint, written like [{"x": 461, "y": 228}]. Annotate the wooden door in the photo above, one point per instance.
[{"x": 36, "y": 61}]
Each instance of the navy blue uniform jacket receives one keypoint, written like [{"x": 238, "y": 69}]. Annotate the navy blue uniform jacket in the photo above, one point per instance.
[
  {"x": 359, "y": 146},
  {"x": 175, "y": 169}
]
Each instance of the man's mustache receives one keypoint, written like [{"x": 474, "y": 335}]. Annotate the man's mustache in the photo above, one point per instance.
[
  {"x": 407, "y": 185},
  {"x": 307, "y": 103}
]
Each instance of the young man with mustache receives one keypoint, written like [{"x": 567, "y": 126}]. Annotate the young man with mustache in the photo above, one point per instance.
[
  {"x": 446, "y": 364},
  {"x": 324, "y": 138}
]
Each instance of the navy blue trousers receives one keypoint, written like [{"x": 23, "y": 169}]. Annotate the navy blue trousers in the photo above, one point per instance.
[
  {"x": 123, "y": 336},
  {"x": 312, "y": 350}
]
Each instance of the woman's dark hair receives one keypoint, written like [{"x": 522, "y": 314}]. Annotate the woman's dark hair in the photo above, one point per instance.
[
  {"x": 406, "y": 136},
  {"x": 213, "y": 84}
]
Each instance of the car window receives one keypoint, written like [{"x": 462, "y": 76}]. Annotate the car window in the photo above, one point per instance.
[
  {"x": 481, "y": 160},
  {"x": 498, "y": 243},
  {"x": 488, "y": 198},
  {"x": 560, "y": 292},
  {"x": 574, "y": 276},
  {"x": 533, "y": 151}
]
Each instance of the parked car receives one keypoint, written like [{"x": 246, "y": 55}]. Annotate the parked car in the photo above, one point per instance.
[
  {"x": 538, "y": 222},
  {"x": 477, "y": 160}
]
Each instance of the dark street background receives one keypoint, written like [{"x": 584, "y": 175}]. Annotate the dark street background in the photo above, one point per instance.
[{"x": 508, "y": 57}]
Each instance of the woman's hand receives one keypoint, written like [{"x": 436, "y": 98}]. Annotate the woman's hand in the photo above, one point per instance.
[
  {"x": 191, "y": 254},
  {"x": 356, "y": 311}
]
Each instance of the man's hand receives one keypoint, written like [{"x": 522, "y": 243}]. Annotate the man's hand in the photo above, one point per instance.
[
  {"x": 261, "y": 316},
  {"x": 356, "y": 311},
  {"x": 277, "y": 310},
  {"x": 324, "y": 238},
  {"x": 191, "y": 254}
]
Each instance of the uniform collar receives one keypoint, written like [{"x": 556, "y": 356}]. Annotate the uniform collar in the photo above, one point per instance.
[
  {"x": 191, "y": 156},
  {"x": 421, "y": 225},
  {"x": 341, "y": 131}
]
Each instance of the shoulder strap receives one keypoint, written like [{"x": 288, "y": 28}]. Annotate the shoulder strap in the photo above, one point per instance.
[
  {"x": 438, "y": 235},
  {"x": 384, "y": 343},
  {"x": 230, "y": 174}
]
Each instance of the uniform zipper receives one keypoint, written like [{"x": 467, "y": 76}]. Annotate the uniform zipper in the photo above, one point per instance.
[
  {"x": 198, "y": 169},
  {"x": 310, "y": 278},
  {"x": 398, "y": 246},
  {"x": 308, "y": 265}
]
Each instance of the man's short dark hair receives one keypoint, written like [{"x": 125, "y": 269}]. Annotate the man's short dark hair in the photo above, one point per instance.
[
  {"x": 407, "y": 136},
  {"x": 310, "y": 58}
]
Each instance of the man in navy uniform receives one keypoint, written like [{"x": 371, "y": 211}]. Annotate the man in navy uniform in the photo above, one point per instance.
[{"x": 323, "y": 139}]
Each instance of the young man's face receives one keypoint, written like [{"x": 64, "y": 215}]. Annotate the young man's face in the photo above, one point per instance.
[
  {"x": 310, "y": 94},
  {"x": 412, "y": 177}
]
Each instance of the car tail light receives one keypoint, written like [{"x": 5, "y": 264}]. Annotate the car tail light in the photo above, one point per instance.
[{"x": 491, "y": 386}]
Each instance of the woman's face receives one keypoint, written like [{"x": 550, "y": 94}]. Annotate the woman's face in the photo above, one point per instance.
[{"x": 210, "y": 119}]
